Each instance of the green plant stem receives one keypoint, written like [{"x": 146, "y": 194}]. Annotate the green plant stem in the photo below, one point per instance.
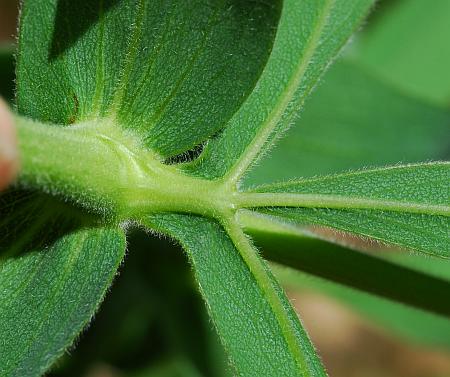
[{"x": 107, "y": 170}]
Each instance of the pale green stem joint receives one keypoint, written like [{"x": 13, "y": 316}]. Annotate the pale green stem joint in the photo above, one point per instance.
[{"x": 102, "y": 167}]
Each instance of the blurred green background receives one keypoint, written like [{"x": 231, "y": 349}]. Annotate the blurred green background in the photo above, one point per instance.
[{"x": 153, "y": 322}]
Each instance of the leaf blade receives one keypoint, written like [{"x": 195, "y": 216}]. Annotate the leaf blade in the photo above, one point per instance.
[
  {"x": 403, "y": 205},
  {"x": 228, "y": 285},
  {"x": 308, "y": 30},
  {"x": 115, "y": 59},
  {"x": 49, "y": 296},
  {"x": 409, "y": 323},
  {"x": 346, "y": 108},
  {"x": 334, "y": 256}
]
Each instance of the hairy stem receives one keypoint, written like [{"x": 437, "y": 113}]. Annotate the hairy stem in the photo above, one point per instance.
[{"x": 105, "y": 169}]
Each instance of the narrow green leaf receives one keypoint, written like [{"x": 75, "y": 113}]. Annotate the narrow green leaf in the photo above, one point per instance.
[
  {"x": 258, "y": 327},
  {"x": 49, "y": 295},
  {"x": 407, "y": 206},
  {"x": 342, "y": 128},
  {"x": 407, "y": 45},
  {"x": 172, "y": 71},
  {"x": 309, "y": 31},
  {"x": 300, "y": 247},
  {"x": 411, "y": 324}
]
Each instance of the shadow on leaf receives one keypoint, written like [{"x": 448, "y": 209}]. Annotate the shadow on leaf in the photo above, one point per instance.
[
  {"x": 72, "y": 21},
  {"x": 32, "y": 221}
]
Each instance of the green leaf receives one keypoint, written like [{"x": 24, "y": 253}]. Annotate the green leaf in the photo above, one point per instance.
[
  {"x": 49, "y": 295},
  {"x": 172, "y": 71},
  {"x": 342, "y": 128},
  {"x": 310, "y": 34},
  {"x": 257, "y": 326},
  {"x": 407, "y": 45},
  {"x": 300, "y": 247},
  {"x": 411, "y": 324},
  {"x": 405, "y": 206}
]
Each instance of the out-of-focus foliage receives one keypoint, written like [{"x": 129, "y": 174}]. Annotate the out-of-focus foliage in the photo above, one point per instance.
[
  {"x": 6, "y": 71},
  {"x": 386, "y": 103},
  {"x": 406, "y": 44}
]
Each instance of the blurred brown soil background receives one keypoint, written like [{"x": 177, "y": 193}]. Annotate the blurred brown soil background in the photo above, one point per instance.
[
  {"x": 350, "y": 345},
  {"x": 8, "y": 16}
]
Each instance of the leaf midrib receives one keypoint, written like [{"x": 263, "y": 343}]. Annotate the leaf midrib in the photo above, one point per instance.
[
  {"x": 255, "y": 265},
  {"x": 130, "y": 57},
  {"x": 190, "y": 66},
  {"x": 255, "y": 200},
  {"x": 286, "y": 97},
  {"x": 100, "y": 69}
]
